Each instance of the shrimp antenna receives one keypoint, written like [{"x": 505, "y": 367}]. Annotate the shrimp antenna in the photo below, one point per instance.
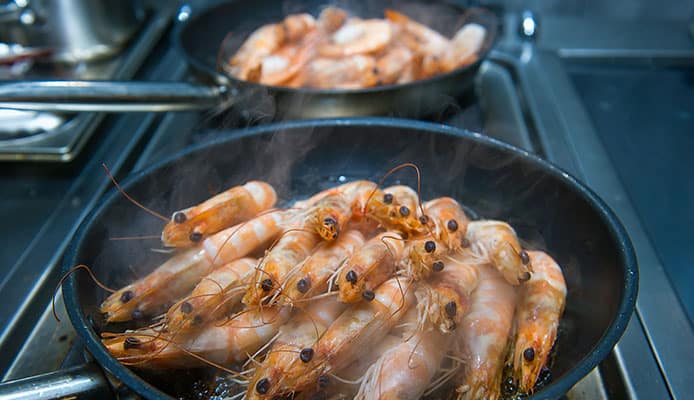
[
  {"x": 127, "y": 196},
  {"x": 117, "y": 238},
  {"x": 391, "y": 172},
  {"x": 70, "y": 272}
]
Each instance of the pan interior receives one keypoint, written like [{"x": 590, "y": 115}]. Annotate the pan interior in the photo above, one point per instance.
[{"x": 547, "y": 212}]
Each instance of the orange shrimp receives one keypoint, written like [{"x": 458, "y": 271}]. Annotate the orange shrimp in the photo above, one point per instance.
[
  {"x": 290, "y": 250},
  {"x": 392, "y": 65},
  {"x": 352, "y": 72},
  {"x": 358, "y": 36},
  {"x": 368, "y": 267},
  {"x": 359, "y": 327},
  {"x": 331, "y": 19},
  {"x": 445, "y": 299},
  {"x": 216, "y": 294},
  {"x": 222, "y": 345},
  {"x": 328, "y": 216},
  {"x": 293, "y": 346},
  {"x": 542, "y": 301},
  {"x": 315, "y": 271},
  {"x": 262, "y": 42},
  {"x": 496, "y": 242},
  {"x": 296, "y": 26},
  {"x": 191, "y": 225},
  {"x": 465, "y": 47},
  {"x": 483, "y": 336}
]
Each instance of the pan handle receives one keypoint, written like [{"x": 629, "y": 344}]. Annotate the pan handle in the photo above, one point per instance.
[
  {"x": 86, "y": 381},
  {"x": 108, "y": 96}
]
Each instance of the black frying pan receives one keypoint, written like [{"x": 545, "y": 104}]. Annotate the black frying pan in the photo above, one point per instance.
[
  {"x": 550, "y": 210},
  {"x": 200, "y": 40}
]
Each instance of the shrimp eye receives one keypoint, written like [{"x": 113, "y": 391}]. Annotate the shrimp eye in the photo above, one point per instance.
[
  {"x": 329, "y": 221},
  {"x": 179, "y": 218},
  {"x": 186, "y": 307},
  {"x": 127, "y": 296},
  {"x": 452, "y": 225},
  {"x": 451, "y": 309},
  {"x": 351, "y": 276},
  {"x": 368, "y": 295},
  {"x": 429, "y": 246},
  {"x": 131, "y": 343},
  {"x": 262, "y": 386},
  {"x": 197, "y": 320},
  {"x": 195, "y": 237},
  {"x": 525, "y": 258},
  {"x": 137, "y": 314},
  {"x": 404, "y": 211},
  {"x": 529, "y": 354},
  {"x": 388, "y": 198},
  {"x": 266, "y": 285},
  {"x": 306, "y": 354},
  {"x": 323, "y": 381},
  {"x": 437, "y": 266},
  {"x": 303, "y": 285},
  {"x": 424, "y": 219},
  {"x": 525, "y": 276},
  {"x": 464, "y": 243}
]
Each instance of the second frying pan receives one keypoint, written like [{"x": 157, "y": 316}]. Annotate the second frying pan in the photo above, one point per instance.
[{"x": 200, "y": 40}]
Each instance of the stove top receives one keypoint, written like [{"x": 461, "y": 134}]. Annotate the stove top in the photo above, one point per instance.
[{"x": 523, "y": 94}]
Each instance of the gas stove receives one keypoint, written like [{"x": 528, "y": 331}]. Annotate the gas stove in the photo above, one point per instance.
[{"x": 525, "y": 94}]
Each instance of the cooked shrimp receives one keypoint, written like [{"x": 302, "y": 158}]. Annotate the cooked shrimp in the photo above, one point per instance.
[
  {"x": 368, "y": 267},
  {"x": 359, "y": 327},
  {"x": 281, "y": 66},
  {"x": 357, "y": 36},
  {"x": 293, "y": 346},
  {"x": 331, "y": 19},
  {"x": 290, "y": 250},
  {"x": 393, "y": 64},
  {"x": 191, "y": 225},
  {"x": 153, "y": 293},
  {"x": 216, "y": 294},
  {"x": 353, "y": 72},
  {"x": 261, "y": 43},
  {"x": 483, "y": 336},
  {"x": 405, "y": 371},
  {"x": 224, "y": 345},
  {"x": 397, "y": 208},
  {"x": 296, "y": 26},
  {"x": 542, "y": 301},
  {"x": 445, "y": 299},
  {"x": 465, "y": 47},
  {"x": 328, "y": 216},
  {"x": 314, "y": 272},
  {"x": 496, "y": 242}
]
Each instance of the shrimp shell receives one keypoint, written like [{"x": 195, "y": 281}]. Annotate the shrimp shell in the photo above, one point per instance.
[
  {"x": 358, "y": 37},
  {"x": 541, "y": 305},
  {"x": 496, "y": 242}
]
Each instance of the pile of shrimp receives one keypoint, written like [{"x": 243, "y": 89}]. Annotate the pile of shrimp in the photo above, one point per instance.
[
  {"x": 335, "y": 51},
  {"x": 357, "y": 292}
]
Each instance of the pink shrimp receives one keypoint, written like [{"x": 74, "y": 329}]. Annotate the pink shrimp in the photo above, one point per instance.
[
  {"x": 465, "y": 47},
  {"x": 262, "y": 42},
  {"x": 289, "y": 251},
  {"x": 542, "y": 301},
  {"x": 496, "y": 242},
  {"x": 483, "y": 336},
  {"x": 293, "y": 347},
  {"x": 352, "y": 72},
  {"x": 191, "y": 225},
  {"x": 358, "y": 36},
  {"x": 216, "y": 294},
  {"x": 368, "y": 267},
  {"x": 393, "y": 63},
  {"x": 223, "y": 345}
]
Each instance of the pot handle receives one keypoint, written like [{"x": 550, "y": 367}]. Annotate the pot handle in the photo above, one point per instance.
[
  {"x": 85, "y": 381},
  {"x": 108, "y": 96}
]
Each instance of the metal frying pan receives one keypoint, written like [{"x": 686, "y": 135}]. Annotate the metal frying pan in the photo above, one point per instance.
[
  {"x": 550, "y": 210},
  {"x": 200, "y": 39}
]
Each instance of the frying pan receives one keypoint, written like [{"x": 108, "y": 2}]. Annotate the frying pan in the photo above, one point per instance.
[
  {"x": 199, "y": 41},
  {"x": 549, "y": 209}
]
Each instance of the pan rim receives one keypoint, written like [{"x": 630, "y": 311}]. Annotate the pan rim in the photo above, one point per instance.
[
  {"x": 230, "y": 81},
  {"x": 553, "y": 390}
]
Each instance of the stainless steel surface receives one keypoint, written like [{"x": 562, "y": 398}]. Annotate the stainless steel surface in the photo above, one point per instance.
[
  {"x": 85, "y": 381},
  {"x": 76, "y": 30},
  {"x": 65, "y": 142},
  {"x": 108, "y": 96}
]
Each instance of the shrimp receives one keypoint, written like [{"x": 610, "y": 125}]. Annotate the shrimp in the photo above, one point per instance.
[
  {"x": 542, "y": 301},
  {"x": 352, "y": 72},
  {"x": 262, "y": 42},
  {"x": 368, "y": 267},
  {"x": 328, "y": 216},
  {"x": 223, "y": 345},
  {"x": 405, "y": 371},
  {"x": 293, "y": 346},
  {"x": 314, "y": 272},
  {"x": 151, "y": 294},
  {"x": 358, "y": 36},
  {"x": 290, "y": 250},
  {"x": 331, "y": 19},
  {"x": 446, "y": 298},
  {"x": 465, "y": 47},
  {"x": 483, "y": 335},
  {"x": 281, "y": 66},
  {"x": 397, "y": 209},
  {"x": 359, "y": 327},
  {"x": 191, "y": 225},
  {"x": 179, "y": 275},
  {"x": 496, "y": 242},
  {"x": 216, "y": 293},
  {"x": 296, "y": 26},
  {"x": 393, "y": 63}
]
